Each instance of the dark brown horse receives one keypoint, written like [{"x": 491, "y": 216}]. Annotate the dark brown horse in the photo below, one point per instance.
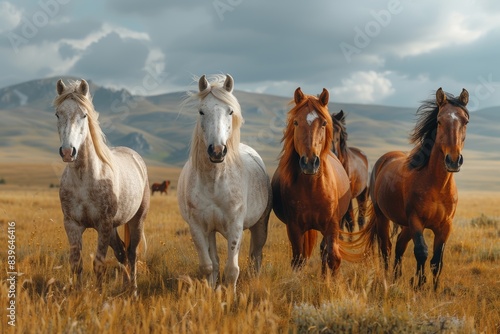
[
  {"x": 161, "y": 187},
  {"x": 418, "y": 191},
  {"x": 355, "y": 164},
  {"x": 310, "y": 186}
]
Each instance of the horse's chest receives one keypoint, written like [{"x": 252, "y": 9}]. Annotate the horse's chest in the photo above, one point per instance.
[
  {"x": 89, "y": 206},
  {"x": 218, "y": 206}
]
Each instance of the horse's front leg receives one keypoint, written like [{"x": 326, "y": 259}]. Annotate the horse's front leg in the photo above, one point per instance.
[
  {"x": 330, "y": 253},
  {"x": 206, "y": 251},
  {"x": 441, "y": 235},
  {"x": 74, "y": 233},
  {"x": 103, "y": 241},
  {"x": 402, "y": 242},
  {"x": 296, "y": 237},
  {"x": 421, "y": 252},
  {"x": 232, "y": 270}
]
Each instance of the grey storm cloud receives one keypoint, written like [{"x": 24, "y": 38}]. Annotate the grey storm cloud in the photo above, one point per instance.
[{"x": 113, "y": 57}]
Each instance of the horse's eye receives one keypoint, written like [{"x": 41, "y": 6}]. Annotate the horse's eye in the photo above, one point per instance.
[
  {"x": 57, "y": 115},
  {"x": 85, "y": 116},
  {"x": 295, "y": 123},
  {"x": 201, "y": 112},
  {"x": 231, "y": 112},
  {"x": 324, "y": 123}
]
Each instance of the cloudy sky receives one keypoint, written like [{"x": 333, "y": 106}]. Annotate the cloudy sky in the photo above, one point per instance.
[{"x": 382, "y": 52}]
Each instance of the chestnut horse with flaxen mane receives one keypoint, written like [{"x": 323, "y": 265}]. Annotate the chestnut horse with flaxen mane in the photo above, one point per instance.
[
  {"x": 310, "y": 187},
  {"x": 418, "y": 191}
]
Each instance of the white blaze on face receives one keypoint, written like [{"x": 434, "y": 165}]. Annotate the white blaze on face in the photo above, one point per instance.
[
  {"x": 311, "y": 117},
  {"x": 454, "y": 116}
]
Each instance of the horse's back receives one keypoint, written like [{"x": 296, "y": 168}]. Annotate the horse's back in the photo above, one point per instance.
[{"x": 357, "y": 170}]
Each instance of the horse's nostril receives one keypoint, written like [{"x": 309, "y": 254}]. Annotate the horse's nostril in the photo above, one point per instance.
[
  {"x": 224, "y": 151},
  {"x": 73, "y": 153},
  {"x": 460, "y": 160},
  {"x": 61, "y": 152},
  {"x": 316, "y": 162}
]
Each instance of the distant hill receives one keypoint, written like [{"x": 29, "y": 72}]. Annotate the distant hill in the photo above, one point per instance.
[{"x": 160, "y": 128}]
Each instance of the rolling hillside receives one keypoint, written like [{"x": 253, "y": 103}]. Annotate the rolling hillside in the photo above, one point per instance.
[{"x": 160, "y": 128}]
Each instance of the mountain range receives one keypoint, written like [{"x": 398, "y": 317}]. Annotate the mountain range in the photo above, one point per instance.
[{"x": 160, "y": 127}]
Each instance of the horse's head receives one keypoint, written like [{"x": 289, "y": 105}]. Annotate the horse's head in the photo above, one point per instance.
[
  {"x": 312, "y": 129},
  {"x": 72, "y": 123},
  {"x": 220, "y": 114},
  {"x": 339, "y": 133},
  {"x": 452, "y": 120}
]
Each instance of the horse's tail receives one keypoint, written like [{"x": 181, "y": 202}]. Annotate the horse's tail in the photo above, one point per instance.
[
  {"x": 360, "y": 243},
  {"x": 145, "y": 244},
  {"x": 126, "y": 240},
  {"x": 310, "y": 239},
  {"x": 126, "y": 237}
]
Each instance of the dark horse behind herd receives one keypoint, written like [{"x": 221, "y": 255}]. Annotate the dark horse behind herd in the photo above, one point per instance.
[{"x": 161, "y": 187}]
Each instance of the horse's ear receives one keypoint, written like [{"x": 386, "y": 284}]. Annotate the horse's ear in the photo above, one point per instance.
[
  {"x": 203, "y": 83},
  {"x": 339, "y": 115},
  {"x": 464, "y": 97},
  {"x": 324, "y": 97},
  {"x": 298, "y": 96},
  {"x": 440, "y": 97},
  {"x": 60, "y": 86},
  {"x": 83, "y": 88},
  {"x": 229, "y": 83}
]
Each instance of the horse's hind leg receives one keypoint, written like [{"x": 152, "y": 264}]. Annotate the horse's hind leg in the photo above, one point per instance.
[
  {"x": 402, "y": 242},
  {"x": 362, "y": 197},
  {"x": 349, "y": 218},
  {"x": 257, "y": 241},
  {"x": 383, "y": 234},
  {"x": 440, "y": 238},
  {"x": 118, "y": 247},
  {"x": 74, "y": 233}
]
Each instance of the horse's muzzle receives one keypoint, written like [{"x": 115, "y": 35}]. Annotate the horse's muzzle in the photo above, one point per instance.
[
  {"x": 217, "y": 153},
  {"x": 453, "y": 166},
  {"x": 309, "y": 166},
  {"x": 67, "y": 154}
]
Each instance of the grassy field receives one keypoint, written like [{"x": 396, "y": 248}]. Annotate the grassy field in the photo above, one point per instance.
[{"x": 171, "y": 298}]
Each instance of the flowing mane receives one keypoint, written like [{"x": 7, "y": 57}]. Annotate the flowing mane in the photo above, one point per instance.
[
  {"x": 343, "y": 131},
  {"x": 217, "y": 90},
  {"x": 424, "y": 133},
  {"x": 289, "y": 157},
  {"x": 98, "y": 138}
]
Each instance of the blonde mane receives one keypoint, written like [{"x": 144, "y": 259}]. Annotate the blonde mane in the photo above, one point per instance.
[
  {"x": 98, "y": 137},
  {"x": 197, "y": 146}
]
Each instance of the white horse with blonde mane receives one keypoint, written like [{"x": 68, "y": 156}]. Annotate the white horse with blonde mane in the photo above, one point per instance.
[
  {"x": 224, "y": 186},
  {"x": 101, "y": 188}
]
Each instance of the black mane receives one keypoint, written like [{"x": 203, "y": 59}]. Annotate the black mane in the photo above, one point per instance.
[{"x": 424, "y": 133}]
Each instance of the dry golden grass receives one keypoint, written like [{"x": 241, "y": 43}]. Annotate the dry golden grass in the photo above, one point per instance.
[{"x": 171, "y": 298}]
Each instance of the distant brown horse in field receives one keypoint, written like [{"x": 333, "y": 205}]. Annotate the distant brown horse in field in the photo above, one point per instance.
[
  {"x": 310, "y": 187},
  {"x": 355, "y": 164},
  {"x": 161, "y": 187},
  {"x": 418, "y": 191}
]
